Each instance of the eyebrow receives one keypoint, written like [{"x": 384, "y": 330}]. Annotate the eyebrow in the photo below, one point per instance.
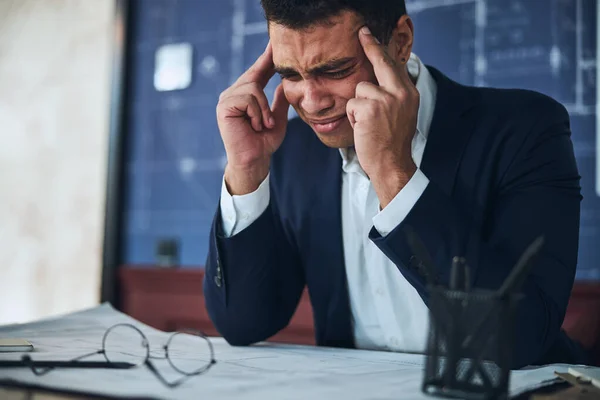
[{"x": 319, "y": 69}]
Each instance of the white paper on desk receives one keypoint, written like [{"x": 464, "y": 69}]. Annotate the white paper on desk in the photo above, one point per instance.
[{"x": 264, "y": 371}]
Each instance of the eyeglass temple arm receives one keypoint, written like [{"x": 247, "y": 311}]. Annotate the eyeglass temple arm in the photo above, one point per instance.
[
  {"x": 176, "y": 383},
  {"x": 26, "y": 359},
  {"x": 88, "y": 355}
]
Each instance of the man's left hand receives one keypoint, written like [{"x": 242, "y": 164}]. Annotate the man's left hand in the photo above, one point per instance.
[{"x": 384, "y": 119}]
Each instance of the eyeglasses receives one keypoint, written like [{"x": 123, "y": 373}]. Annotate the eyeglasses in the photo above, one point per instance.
[{"x": 125, "y": 346}]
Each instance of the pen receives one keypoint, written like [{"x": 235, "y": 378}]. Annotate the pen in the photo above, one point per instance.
[
  {"x": 519, "y": 272},
  {"x": 459, "y": 275},
  {"x": 65, "y": 364},
  {"x": 511, "y": 284}
]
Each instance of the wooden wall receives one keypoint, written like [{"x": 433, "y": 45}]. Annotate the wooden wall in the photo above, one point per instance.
[{"x": 169, "y": 299}]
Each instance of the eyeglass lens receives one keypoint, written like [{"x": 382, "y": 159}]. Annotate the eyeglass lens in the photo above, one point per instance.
[
  {"x": 189, "y": 352},
  {"x": 125, "y": 343}
]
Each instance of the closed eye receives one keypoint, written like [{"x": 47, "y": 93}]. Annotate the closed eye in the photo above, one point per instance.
[
  {"x": 294, "y": 76},
  {"x": 289, "y": 76},
  {"x": 339, "y": 74}
]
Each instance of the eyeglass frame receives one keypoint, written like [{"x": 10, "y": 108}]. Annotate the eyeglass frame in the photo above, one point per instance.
[{"x": 146, "y": 359}]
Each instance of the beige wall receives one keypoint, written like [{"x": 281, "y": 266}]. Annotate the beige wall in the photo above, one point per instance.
[{"x": 54, "y": 93}]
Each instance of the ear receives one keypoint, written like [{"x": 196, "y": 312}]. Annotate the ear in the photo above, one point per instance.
[{"x": 401, "y": 41}]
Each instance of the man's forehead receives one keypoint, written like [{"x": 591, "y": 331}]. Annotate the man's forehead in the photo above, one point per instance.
[
  {"x": 313, "y": 47},
  {"x": 348, "y": 21},
  {"x": 319, "y": 59}
]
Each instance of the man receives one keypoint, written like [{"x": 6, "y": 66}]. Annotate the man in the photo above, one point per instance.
[{"x": 383, "y": 143}]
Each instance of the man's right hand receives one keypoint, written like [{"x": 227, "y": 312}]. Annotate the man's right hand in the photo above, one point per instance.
[{"x": 250, "y": 129}]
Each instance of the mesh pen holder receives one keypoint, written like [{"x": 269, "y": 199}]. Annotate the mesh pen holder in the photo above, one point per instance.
[{"x": 470, "y": 344}]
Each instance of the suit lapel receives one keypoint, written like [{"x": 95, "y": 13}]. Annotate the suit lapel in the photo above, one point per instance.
[{"x": 450, "y": 130}]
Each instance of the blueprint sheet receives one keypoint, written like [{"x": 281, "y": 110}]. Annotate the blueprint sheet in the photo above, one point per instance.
[{"x": 262, "y": 371}]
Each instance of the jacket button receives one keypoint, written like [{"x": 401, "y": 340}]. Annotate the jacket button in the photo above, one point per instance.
[
  {"x": 417, "y": 265},
  {"x": 414, "y": 263},
  {"x": 218, "y": 281}
]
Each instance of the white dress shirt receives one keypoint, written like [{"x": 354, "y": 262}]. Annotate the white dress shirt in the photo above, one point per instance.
[{"x": 387, "y": 311}]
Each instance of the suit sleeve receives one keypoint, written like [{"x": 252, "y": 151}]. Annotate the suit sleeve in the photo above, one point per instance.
[
  {"x": 253, "y": 279},
  {"x": 539, "y": 194}
]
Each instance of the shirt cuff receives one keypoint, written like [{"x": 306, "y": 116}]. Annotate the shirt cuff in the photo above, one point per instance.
[
  {"x": 239, "y": 212},
  {"x": 396, "y": 211}
]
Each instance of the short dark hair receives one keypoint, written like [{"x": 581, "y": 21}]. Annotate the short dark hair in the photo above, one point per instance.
[{"x": 380, "y": 16}]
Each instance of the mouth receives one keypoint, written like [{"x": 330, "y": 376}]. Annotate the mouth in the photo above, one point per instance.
[{"x": 327, "y": 125}]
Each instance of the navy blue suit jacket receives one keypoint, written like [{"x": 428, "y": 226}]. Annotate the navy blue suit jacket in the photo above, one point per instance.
[{"x": 502, "y": 172}]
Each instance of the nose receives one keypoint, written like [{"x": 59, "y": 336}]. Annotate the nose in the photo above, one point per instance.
[{"x": 315, "y": 99}]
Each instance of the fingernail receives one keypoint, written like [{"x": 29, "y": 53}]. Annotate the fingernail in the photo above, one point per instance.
[
  {"x": 272, "y": 122},
  {"x": 365, "y": 30}
]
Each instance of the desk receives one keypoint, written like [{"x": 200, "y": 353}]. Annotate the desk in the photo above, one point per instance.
[{"x": 262, "y": 371}]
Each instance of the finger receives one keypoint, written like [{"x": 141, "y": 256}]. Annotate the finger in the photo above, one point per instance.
[
  {"x": 263, "y": 102},
  {"x": 245, "y": 106},
  {"x": 261, "y": 71},
  {"x": 359, "y": 109},
  {"x": 383, "y": 65},
  {"x": 367, "y": 90},
  {"x": 404, "y": 75},
  {"x": 280, "y": 106},
  {"x": 350, "y": 107},
  {"x": 253, "y": 89}
]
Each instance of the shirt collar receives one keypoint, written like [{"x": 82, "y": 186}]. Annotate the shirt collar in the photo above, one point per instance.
[{"x": 427, "y": 89}]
